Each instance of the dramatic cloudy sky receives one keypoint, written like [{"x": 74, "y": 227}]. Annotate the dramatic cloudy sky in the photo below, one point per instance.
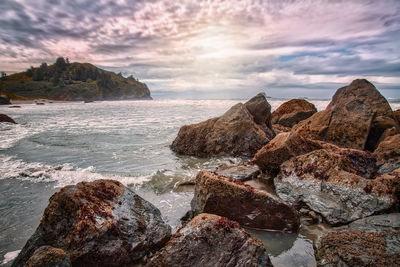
[{"x": 211, "y": 48}]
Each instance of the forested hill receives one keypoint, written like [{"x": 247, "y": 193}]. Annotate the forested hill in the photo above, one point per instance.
[{"x": 73, "y": 81}]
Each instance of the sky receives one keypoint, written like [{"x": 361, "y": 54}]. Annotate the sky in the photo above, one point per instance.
[{"x": 215, "y": 49}]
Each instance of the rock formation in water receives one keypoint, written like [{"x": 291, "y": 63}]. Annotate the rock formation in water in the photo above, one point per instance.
[
  {"x": 5, "y": 118},
  {"x": 292, "y": 112},
  {"x": 4, "y": 100},
  {"x": 341, "y": 185},
  {"x": 241, "y": 131},
  {"x": 373, "y": 241},
  {"x": 237, "y": 201},
  {"x": 101, "y": 223},
  {"x": 211, "y": 240},
  {"x": 356, "y": 118}
]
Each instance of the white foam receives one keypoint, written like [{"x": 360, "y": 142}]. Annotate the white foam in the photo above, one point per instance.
[
  {"x": 10, "y": 256},
  {"x": 10, "y": 134},
  {"x": 61, "y": 175}
]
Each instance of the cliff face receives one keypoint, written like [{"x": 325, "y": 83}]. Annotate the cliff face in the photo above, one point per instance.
[{"x": 73, "y": 81}]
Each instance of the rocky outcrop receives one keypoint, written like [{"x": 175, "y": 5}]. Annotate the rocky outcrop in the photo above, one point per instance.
[
  {"x": 356, "y": 118},
  {"x": 211, "y": 240},
  {"x": 241, "y": 131},
  {"x": 5, "y": 118},
  {"x": 373, "y": 241},
  {"x": 5, "y": 100},
  {"x": 292, "y": 112},
  {"x": 47, "y": 256},
  {"x": 241, "y": 172},
  {"x": 252, "y": 208},
  {"x": 283, "y": 147},
  {"x": 388, "y": 154},
  {"x": 341, "y": 184},
  {"x": 101, "y": 223},
  {"x": 280, "y": 128}
]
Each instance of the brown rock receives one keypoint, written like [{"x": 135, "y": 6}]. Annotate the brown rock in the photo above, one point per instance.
[
  {"x": 234, "y": 133},
  {"x": 241, "y": 172},
  {"x": 396, "y": 114},
  {"x": 240, "y": 202},
  {"x": 388, "y": 154},
  {"x": 211, "y": 240},
  {"x": 5, "y": 118},
  {"x": 101, "y": 223},
  {"x": 356, "y": 118},
  {"x": 280, "y": 128},
  {"x": 292, "y": 112},
  {"x": 281, "y": 148},
  {"x": 341, "y": 184},
  {"x": 47, "y": 256}
]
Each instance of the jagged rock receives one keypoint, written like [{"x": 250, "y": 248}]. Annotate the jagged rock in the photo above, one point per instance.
[
  {"x": 373, "y": 241},
  {"x": 388, "y": 154},
  {"x": 356, "y": 118},
  {"x": 252, "y": 208},
  {"x": 5, "y": 118},
  {"x": 211, "y": 240},
  {"x": 283, "y": 147},
  {"x": 241, "y": 172},
  {"x": 280, "y": 128},
  {"x": 101, "y": 223},
  {"x": 47, "y": 256},
  {"x": 341, "y": 184},
  {"x": 292, "y": 112},
  {"x": 234, "y": 133}
]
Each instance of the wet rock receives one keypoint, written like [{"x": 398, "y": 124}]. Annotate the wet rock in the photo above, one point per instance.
[
  {"x": 341, "y": 185},
  {"x": 252, "y": 208},
  {"x": 292, "y": 112},
  {"x": 5, "y": 100},
  {"x": 283, "y": 147},
  {"x": 242, "y": 172},
  {"x": 5, "y": 118},
  {"x": 234, "y": 133},
  {"x": 388, "y": 154},
  {"x": 101, "y": 223},
  {"x": 356, "y": 118},
  {"x": 373, "y": 241},
  {"x": 211, "y": 240},
  {"x": 47, "y": 256}
]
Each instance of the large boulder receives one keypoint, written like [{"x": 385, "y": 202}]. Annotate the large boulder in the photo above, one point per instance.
[
  {"x": 341, "y": 184},
  {"x": 356, "y": 118},
  {"x": 211, "y": 240},
  {"x": 101, "y": 223},
  {"x": 283, "y": 147},
  {"x": 5, "y": 118},
  {"x": 252, "y": 208},
  {"x": 388, "y": 154},
  {"x": 292, "y": 112},
  {"x": 373, "y": 241},
  {"x": 241, "y": 131}
]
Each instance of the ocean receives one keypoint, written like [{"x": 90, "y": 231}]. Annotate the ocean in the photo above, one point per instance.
[{"x": 58, "y": 144}]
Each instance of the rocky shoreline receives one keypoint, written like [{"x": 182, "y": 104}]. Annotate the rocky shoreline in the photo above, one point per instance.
[{"x": 339, "y": 166}]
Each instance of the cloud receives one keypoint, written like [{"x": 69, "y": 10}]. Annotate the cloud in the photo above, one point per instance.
[{"x": 284, "y": 47}]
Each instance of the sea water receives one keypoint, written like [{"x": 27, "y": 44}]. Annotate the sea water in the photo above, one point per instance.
[{"x": 59, "y": 144}]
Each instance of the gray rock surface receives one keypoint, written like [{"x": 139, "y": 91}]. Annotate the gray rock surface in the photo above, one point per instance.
[
  {"x": 211, "y": 240},
  {"x": 101, "y": 223},
  {"x": 241, "y": 172}
]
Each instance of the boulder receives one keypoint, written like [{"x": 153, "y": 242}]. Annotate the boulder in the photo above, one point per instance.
[
  {"x": 396, "y": 114},
  {"x": 101, "y": 223},
  {"x": 356, "y": 118},
  {"x": 341, "y": 185},
  {"x": 211, "y": 240},
  {"x": 5, "y": 118},
  {"x": 292, "y": 112},
  {"x": 5, "y": 100},
  {"x": 235, "y": 133},
  {"x": 252, "y": 208},
  {"x": 280, "y": 128},
  {"x": 47, "y": 256},
  {"x": 373, "y": 241},
  {"x": 283, "y": 147},
  {"x": 241, "y": 172},
  {"x": 388, "y": 154}
]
